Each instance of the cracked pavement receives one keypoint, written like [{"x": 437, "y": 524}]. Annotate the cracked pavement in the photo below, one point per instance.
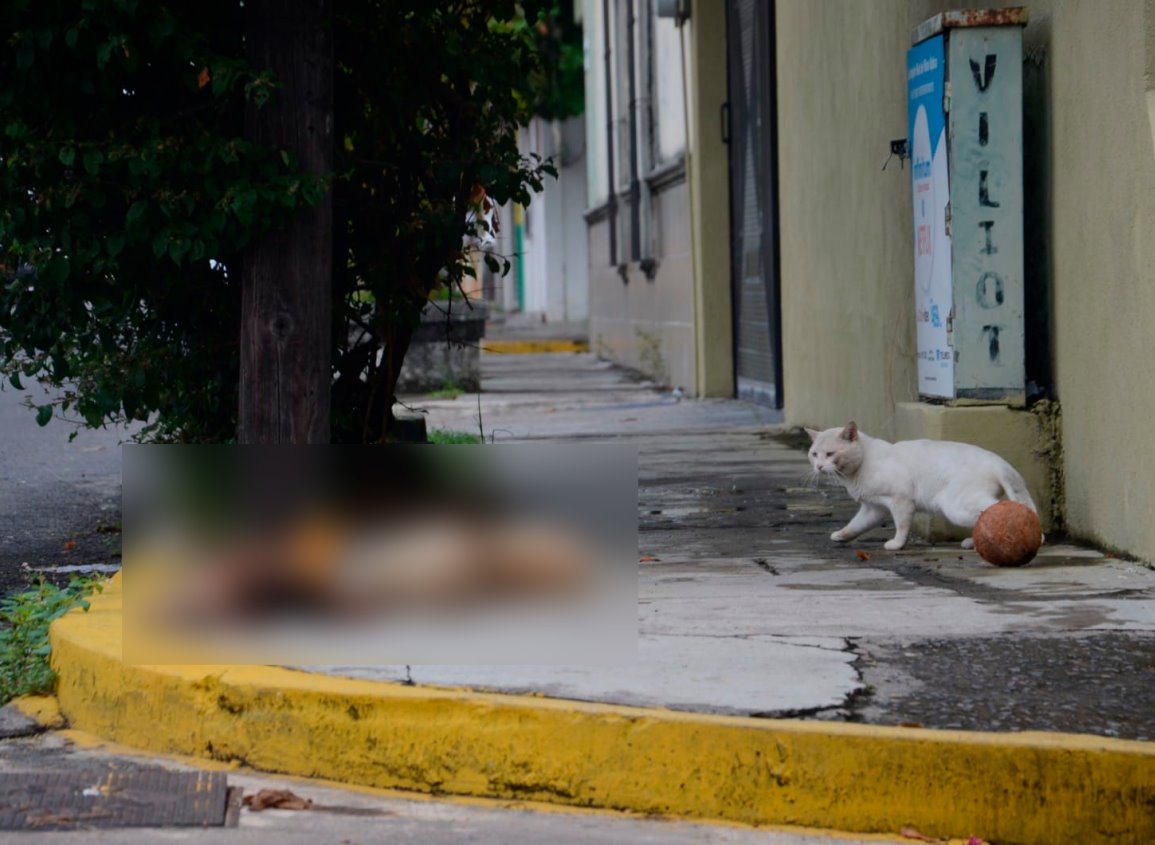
[{"x": 747, "y": 607}]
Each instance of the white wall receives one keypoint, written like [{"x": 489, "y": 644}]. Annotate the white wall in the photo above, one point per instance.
[{"x": 554, "y": 255}]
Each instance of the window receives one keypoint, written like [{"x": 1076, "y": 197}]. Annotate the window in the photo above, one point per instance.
[
  {"x": 635, "y": 115},
  {"x": 669, "y": 104},
  {"x": 597, "y": 163}
]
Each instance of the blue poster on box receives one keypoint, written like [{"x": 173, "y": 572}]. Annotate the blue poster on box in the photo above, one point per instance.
[{"x": 926, "y": 73}]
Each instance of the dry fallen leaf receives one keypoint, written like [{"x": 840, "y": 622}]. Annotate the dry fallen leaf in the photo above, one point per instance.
[
  {"x": 974, "y": 840},
  {"x": 648, "y": 558},
  {"x": 909, "y": 832},
  {"x": 279, "y": 799},
  {"x": 203, "y": 77},
  {"x": 69, "y": 545},
  {"x": 861, "y": 554},
  {"x": 910, "y": 724}
]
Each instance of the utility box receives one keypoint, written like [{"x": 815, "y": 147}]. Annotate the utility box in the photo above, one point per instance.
[{"x": 965, "y": 141}]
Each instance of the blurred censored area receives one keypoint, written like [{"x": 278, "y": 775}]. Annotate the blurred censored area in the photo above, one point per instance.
[{"x": 343, "y": 555}]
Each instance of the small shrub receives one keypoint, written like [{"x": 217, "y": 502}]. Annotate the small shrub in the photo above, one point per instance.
[{"x": 24, "y": 621}]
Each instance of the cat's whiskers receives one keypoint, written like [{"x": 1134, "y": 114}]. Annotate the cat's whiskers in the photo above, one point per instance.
[
  {"x": 810, "y": 479},
  {"x": 816, "y": 479}
]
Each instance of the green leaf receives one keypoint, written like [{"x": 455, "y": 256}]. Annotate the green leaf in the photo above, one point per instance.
[
  {"x": 114, "y": 244},
  {"x": 92, "y": 161},
  {"x": 67, "y": 156},
  {"x": 104, "y": 53},
  {"x": 177, "y": 250},
  {"x": 14, "y": 378},
  {"x": 135, "y": 211},
  {"x": 58, "y": 269},
  {"x": 43, "y": 415},
  {"x": 71, "y": 36}
]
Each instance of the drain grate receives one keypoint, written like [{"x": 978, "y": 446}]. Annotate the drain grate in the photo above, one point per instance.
[{"x": 105, "y": 798}]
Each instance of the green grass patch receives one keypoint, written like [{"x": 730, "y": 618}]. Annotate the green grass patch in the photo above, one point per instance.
[
  {"x": 24, "y": 621},
  {"x": 446, "y": 393},
  {"x": 453, "y": 438}
]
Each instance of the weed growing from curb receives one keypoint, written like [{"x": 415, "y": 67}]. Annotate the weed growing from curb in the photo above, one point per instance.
[{"x": 24, "y": 621}]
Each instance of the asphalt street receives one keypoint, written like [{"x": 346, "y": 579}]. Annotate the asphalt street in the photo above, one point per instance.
[{"x": 59, "y": 500}]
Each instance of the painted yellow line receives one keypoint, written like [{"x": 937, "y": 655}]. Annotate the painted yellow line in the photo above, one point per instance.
[
  {"x": 533, "y": 347},
  {"x": 1006, "y": 788}
]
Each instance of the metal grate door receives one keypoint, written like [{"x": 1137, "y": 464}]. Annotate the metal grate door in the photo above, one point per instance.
[{"x": 753, "y": 200}]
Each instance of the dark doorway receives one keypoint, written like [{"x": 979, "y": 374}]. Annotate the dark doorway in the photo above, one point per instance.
[{"x": 751, "y": 122}]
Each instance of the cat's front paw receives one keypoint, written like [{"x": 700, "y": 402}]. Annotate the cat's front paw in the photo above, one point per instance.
[
  {"x": 968, "y": 543},
  {"x": 839, "y": 537},
  {"x": 893, "y": 545}
]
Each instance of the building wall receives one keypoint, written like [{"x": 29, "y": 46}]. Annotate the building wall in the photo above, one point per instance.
[
  {"x": 847, "y": 274},
  {"x": 572, "y": 302},
  {"x": 1103, "y": 190},
  {"x": 647, "y": 324},
  {"x": 554, "y": 257}
]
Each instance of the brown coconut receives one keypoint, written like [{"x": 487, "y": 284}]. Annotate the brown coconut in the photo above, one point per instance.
[{"x": 1008, "y": 534}]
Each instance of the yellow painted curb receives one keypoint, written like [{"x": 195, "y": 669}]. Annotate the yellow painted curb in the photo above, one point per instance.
[
  {"x": 45, "y": 709},
  {"x": 91, "y": 742},
  {"x": 1006, "y": 788},
  {"x": 533, "y": 347}
]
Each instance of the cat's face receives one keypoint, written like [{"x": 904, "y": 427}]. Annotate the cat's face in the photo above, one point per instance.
[{"x": 835, "y": 451}]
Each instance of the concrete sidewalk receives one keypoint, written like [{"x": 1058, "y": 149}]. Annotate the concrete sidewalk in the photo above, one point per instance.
[
  {"x": 748, "y": 608},
  {"x": 519, "y": 334}
]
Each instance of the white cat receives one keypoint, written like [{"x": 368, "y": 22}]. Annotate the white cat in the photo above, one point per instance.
[{"x": 957, "y": 480}]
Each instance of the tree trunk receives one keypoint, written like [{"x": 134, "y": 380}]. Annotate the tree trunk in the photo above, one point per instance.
[{"x": 286, "y": 278}]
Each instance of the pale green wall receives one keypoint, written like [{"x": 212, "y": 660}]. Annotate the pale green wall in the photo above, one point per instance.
[
  {"x": 1104, "y": 266},
  {"x": 709, "y": 174},
  {"x": 847, "y": 277},
  {"x": 847, "y": 269}
]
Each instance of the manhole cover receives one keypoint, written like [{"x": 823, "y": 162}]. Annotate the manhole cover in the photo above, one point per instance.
[{"x": 137, "y": 797}]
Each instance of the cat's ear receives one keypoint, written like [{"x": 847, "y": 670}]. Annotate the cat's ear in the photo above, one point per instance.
[
  {"x": 850, "y": 432},
  {"x": 813, "y": 434}
]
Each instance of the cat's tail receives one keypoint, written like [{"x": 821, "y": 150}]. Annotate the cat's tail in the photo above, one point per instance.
[
  {"x": 1016, "y": 491},
  {"x": 1015, "y": 488}
]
